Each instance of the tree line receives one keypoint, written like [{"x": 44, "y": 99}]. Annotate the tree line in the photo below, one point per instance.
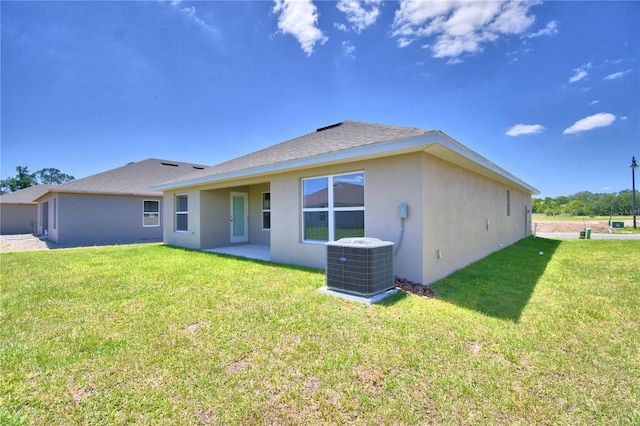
[
  {"x": 586, "y": 203},
  {"x": 24, "y": 179}
]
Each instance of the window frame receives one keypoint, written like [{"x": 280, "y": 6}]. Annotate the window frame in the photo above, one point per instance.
[
  {"x": 266, "y": 210},
  {"x": 55, "y": 212},
  {"x": 181, "y": 213},
  {"x": 145, "y": 213},
  {"x": 330, "y": 210}
]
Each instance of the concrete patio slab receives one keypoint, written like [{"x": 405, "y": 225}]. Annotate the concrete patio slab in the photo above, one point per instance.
[{"x": 249, "y": 251}]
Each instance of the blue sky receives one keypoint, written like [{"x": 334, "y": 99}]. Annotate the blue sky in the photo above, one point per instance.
[{"x": 549, "y": 91}]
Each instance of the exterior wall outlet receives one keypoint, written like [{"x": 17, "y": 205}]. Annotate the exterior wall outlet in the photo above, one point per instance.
[{"x": 403, "y": 211}]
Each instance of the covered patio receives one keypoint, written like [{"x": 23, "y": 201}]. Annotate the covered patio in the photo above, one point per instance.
[{"x": 249, "y": 251}]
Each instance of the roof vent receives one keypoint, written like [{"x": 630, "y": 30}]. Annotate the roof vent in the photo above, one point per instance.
[
  {"x": 329, "y": 127},
  {"x": 169, "y": 164},
  {"x": 198, "y": 167}
]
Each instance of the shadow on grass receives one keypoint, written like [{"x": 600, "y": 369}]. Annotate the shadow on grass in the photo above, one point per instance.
[{"x": 501, "y": 284}]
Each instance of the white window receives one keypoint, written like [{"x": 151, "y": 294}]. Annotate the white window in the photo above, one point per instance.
[
  {"x": 266, "y": 210},
  {"x": 150, "y": 213},
  {"x": 182, "y": 213},
  {"x": 333, "y": 207}
]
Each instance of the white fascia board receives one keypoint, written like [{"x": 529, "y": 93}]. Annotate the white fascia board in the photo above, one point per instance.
[
  {"x": 412, "y": 144},
  {"x": 455, "y": 146}
]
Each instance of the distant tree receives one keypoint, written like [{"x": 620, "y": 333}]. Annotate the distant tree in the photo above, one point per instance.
[
  {"x": 586, "y": 203},
  {"x": 53, "y": 176},
  {"x": 625, "y": 201},
  {"x": 538, "y": 205},
  {"x": 25, "y": 179}
]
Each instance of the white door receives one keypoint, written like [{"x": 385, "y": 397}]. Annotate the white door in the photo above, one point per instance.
[{"x": 239, "y": 217}]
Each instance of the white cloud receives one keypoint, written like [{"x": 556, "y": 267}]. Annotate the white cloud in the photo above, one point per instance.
[
  {"x": 459, "y": 27},
  {"x": 340, "y": 26},
  {"x": 525, "y": 129},
  {"x": 594, "y": 102},
  {"x": 299, "y": 18},
  {"x": 191, "y": 14},
  {"x": 601, "y": 119},
  {"x": 348, "y": 49},
  {"x": 550, "y": 29},
  {"x": 360, "y": 14},
  {"x": 580, "y": 73},
  {"x": 404, "y": 42},
  {"x": 617, "y": 75}
]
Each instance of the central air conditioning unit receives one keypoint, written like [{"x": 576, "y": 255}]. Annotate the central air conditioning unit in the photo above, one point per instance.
[{"x": 360, "y": 266}]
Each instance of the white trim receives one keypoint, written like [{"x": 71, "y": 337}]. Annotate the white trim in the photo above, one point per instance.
[
  {"x": 330, "y": 209},
  {"x": 144, "y": 212},
  {"x": 265, "y": 211},
  {"x": 176, "y": 212},
  {"x": 244, "y": 238},
  {"x": 55, "y": 213}
]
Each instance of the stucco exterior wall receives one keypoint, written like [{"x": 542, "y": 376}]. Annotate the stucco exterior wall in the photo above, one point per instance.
[
  {"x": 214, "y": 218},
  {"x": 17, "y": 218},
  {"x": 455, "y": 216},
  {"x": 465, "y": 217},
  {"x": 191, "y": 238},
  {"x": 257, "y": 235},
  {"x": 99, "y": 219},
  {"x": 47, "y": 217},
  {"x": 211, "y": 209},
  {"x": 388, "y": 183}
]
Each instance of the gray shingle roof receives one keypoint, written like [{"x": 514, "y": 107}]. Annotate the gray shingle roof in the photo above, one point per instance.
[
  {"x": 25, "y": 196},
  {"x": 337, "y": 137},
  {"x": 132, "y": 179},
  {"x": 344, "y": 142}
]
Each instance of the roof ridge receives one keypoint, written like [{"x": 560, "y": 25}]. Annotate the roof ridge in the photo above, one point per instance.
[{"x": 110, "y": 171}]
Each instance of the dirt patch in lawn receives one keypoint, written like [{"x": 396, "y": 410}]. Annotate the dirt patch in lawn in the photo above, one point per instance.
[
  {"x": 25, "y": 242},
  {"x": 597, "y": 226},
  {"x": 414, "y": 288}
]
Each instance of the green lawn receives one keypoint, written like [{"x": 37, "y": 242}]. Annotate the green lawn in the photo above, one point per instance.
[{"x": 149, "y": 334}]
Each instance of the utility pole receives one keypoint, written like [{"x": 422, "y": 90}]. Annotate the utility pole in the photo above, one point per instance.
[{"x": 634, "y": 166}]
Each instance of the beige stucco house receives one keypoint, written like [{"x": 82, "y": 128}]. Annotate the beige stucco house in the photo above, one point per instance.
[
  {"x": 112, "y": 207},
  {"x": 354, "y": 179},
  {"x": 19, "y": 210}
]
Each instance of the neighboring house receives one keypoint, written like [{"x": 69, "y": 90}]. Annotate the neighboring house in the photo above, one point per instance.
[
  {"x": 112, "y": 207},
  {"x": 18, "y": 210},
  {"x": 350, "y": 179}
]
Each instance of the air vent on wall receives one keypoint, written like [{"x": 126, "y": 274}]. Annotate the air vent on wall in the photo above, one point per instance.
[{"x": 328, "y": 127}]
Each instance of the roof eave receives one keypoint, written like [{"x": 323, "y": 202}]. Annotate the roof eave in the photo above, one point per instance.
[
  {"x": 461, "y": 150},
  {"x": 381, "y": 149},
  {"x": 112, "y": 193},
  {"x": 415, "y": 143}
]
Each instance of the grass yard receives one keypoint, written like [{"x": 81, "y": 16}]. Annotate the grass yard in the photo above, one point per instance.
[{"x": 149, "y": 334}]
